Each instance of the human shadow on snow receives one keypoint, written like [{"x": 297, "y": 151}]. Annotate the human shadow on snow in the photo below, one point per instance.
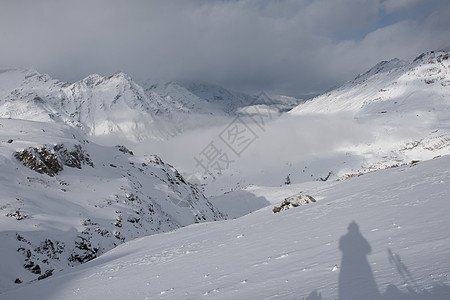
[{"x": 356, "y": 279}]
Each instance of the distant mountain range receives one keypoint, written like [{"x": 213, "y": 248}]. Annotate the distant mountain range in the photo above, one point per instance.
[{"x": 118, "y": 105}]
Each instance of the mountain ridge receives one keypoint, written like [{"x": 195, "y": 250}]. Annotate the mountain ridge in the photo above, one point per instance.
[
  {"x": 425, "y": 69},
  {"x": 115, "y": 104}
]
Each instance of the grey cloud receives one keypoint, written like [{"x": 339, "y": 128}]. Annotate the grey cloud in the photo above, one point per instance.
[
  {"x": 285, "y": 46},
  {"x": 392, "y": 6},
  {"x": 340, "y": 16}
]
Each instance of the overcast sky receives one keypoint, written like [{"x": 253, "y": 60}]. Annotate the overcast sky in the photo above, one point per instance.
[{"x": 292, "y": 47}]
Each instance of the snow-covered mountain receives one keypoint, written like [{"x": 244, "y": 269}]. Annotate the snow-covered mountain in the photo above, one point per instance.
[
  {"x": 66, "y": 200},
  {"x": 100, "y": 106},
  {"x": 205, "y": 97},
  {"x": 117, "y": 106},
  {"x": 391, "y": 87},
  {"x": 403, "y": 106},
  {"x": 227, "y": 101}
]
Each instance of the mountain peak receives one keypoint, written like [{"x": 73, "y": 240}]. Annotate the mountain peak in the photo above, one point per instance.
[
  {"x": 432, "y": 56},
  {"x": 381, "y": 67},
  {"x": 263, "y": 95},
  {"x": 92, "y": 80},
  {"x": 121, "y": 75}
]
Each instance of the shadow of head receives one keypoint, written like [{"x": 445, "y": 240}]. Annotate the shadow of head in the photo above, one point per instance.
[{"x": 353, "y": 227}]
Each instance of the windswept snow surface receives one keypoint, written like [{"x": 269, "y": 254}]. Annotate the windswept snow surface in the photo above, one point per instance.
[{"x": 382, "y": 235}]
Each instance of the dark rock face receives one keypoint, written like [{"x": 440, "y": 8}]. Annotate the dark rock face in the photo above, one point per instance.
[
  {"x": 42, "y": 160},
  {"x": 51, "y": 160}
]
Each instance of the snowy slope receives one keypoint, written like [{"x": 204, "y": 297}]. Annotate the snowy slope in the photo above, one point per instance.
[
  {"x": 398, "y": 248},
  {"x": 66, "y": 200}
]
